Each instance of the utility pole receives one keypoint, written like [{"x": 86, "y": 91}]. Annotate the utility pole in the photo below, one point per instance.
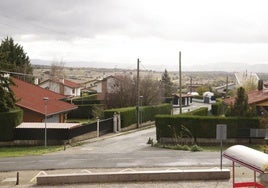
[
  {"x": 180, "y": 82},
  {"x": 226, "y": 87},
  {"x": 138, "y": 93},
  {"x": 191, "y": 84}
]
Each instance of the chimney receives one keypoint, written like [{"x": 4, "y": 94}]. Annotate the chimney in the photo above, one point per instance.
[{"x": 260, "y": 85}]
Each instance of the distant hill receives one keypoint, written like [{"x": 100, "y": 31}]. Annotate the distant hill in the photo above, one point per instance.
[
  {"x": 226, "y": 67},
  {"x": 230, "y": 67}
]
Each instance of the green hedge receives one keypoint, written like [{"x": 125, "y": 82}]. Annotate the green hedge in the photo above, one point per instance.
[
  {"x": 203, "y": 111},
  {"x": 85, "y": 102},
  {"x": 83, "y": 111},
  {"x": 217, "y": 108},
  {"x": 9, "y": 120},
  {"x": 91, "y": 99},
  {"x": 204, "y": 126},
  {"x": 129, "y": 117}
]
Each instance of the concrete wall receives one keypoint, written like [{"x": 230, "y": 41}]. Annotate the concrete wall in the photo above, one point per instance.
[{"x": 106, "y": 177}]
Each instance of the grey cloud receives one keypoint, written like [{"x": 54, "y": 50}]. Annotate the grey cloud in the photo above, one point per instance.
[{"x": 68, "y": 19}]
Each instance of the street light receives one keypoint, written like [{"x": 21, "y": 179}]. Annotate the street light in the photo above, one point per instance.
[{"x": 45, "y": 100}]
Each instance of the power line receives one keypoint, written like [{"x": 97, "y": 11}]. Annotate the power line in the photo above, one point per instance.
[{"x": 16, "y": 73}]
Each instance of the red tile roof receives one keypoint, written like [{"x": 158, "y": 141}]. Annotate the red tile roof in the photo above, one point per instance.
[
  {"x": 71, "y": 84},
  {"x": 31, "y": 97},
  {"x": 65, "y": 82},
  {"x": 254, "y": 97}
]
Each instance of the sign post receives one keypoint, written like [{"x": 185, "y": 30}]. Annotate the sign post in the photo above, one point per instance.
[{"x": 221, "y": 134}]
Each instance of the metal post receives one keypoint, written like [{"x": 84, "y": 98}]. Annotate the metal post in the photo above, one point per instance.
[
  {"x": 221, "y": 153},
  {"x": 18, "y": 178},
  {"x": 233, "y": 174},
  {"x": 141, "y": 97},
  {"x": 138, "y": 93},
  {"x": 180, "y": 82}
]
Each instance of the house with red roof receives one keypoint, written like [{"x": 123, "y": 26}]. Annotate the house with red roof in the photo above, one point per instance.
[
  {"x": 37, "y": 102},
  {"x": 258, "y": 98},
  {"x": 62, "y": 86}
]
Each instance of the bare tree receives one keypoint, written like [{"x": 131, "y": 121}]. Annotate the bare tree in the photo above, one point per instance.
[
  {"x": 57, "y": 70},
  {"x": 151, "y": 91},
  {"x": 124, "y": 91}
]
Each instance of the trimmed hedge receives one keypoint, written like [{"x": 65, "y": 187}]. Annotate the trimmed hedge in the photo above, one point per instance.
[
  {"x": 91, "y": 99},
  {"x": 217, "y": 108},
  {"x": 9, "y": 120},
  {"x": 203, "y": 111},
  {"x": 205, "y": 126},
  {"x": 85, "y": 102},
  {"x": 83, "y": 111},
  {"x": 129, "y": 115}
]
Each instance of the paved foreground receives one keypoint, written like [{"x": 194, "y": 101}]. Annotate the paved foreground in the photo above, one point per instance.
[{"x": 118, "y": 152}]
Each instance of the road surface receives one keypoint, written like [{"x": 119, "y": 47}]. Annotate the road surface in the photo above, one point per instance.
[{"x": 117, "y": 151}]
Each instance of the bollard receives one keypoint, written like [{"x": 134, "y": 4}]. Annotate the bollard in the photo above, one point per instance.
[{"x": 18, "y": 178}]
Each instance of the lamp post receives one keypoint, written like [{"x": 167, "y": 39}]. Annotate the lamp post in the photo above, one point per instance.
[{"x": 45, "y": 100}]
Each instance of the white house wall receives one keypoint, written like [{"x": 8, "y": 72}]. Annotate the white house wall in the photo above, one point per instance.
[
  {"x": 53, "y": 119},
  {"x": 111, "y": 85},
  {"x": 69, "y": 91},
  {"x": 51, "y": 86},
  {"x": 98, "y": 87}
]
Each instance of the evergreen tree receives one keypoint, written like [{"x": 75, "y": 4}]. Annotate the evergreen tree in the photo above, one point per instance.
[
  {"x": 13, "y": 58},
  {"x": 166, "y": 84},
  {"x": 241, "y": 107},
  {"x": 7, "y": 99},
  {"x": 241, "y": 102}
]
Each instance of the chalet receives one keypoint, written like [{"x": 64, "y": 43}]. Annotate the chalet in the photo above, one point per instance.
[
  {"x": 62, "y": 86},
  {"x": 104, "y": 87},
  {"x": 187, "y": 99},
  {"x": 30, "y": 98}
]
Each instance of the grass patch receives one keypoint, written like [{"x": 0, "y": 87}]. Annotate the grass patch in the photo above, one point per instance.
[
  {"x": 212, "y": 148},
  {"x": 259, "y": 147},
  {"x": 193, "y": 148},
  {"x": 27, "y": 150}
]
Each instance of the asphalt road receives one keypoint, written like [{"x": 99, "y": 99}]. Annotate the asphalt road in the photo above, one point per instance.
[{"x": 116, "y": 151}]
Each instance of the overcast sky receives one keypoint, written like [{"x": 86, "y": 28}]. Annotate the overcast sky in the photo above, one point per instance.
[{"x": 114, "y": 33}]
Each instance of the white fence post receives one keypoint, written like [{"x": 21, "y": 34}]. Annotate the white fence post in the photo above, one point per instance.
[
  {"x": 119, "y": 122},
  {"x": 115, "y": 122}
]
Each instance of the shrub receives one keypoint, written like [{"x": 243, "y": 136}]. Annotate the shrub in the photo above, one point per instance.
[
  {"x": 203, "y": 111},
  {"x": 217, "y": 108},
  {"x": 205, "y": 126},
  {"x": 196, "y": 148},
  {"x": 9, "y": 120}
]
